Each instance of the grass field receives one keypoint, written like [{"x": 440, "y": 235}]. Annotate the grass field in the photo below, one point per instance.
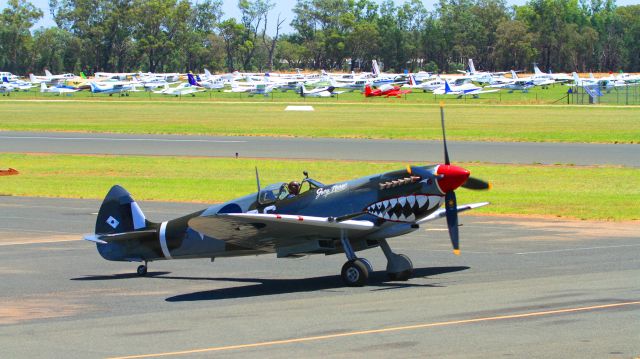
[
  {"x": 601, "y": 193},
  {"x": 552, "y": 94},
  {"x": 387, "y": 119}
]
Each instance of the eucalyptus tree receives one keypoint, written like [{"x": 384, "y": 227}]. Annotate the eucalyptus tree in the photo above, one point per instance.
[{"x": 16, "y": 21}]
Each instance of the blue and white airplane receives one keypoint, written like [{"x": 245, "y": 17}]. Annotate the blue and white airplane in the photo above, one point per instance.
[
  {"x": 466, "y": 88},
  {"x": 110, "y": 88}
]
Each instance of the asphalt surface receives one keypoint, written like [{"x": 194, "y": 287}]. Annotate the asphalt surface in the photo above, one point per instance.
[
  {"x": 523, "y": 288},
  {"x": 321, "y": 148}
]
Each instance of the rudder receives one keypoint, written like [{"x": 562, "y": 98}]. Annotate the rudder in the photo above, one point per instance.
[{"x": 119, "y": 213}]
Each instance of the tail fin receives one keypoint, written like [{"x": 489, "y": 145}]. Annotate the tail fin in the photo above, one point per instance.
[
  {"x": 472, "y": 68},
  {"x": 536, "y": 70},
  {"x": 48, "y": 73},
  {"x": 94, "y": 87},
  {"x": 207, "y": 74},
  {"x": 514, "y": 75},
  {"x": 192, "y": 80},
  {"x": 43, "y": 87},
  {"x": 375, "y": 68},
  {"x": 447, "y": 88},
  {"x": 412, "y": 80},
  {"x": 575, "y": 77},
  {"x": 119, "y": 213},
  {"x": 367, "y": 90},
  {"x": 32, "y": 78}
]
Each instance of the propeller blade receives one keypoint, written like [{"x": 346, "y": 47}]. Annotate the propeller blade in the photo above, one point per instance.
[
  {"x": 444, "y": 137},
  {"x": 451, "y": 211},
  {"x": 476, "y": 184}
]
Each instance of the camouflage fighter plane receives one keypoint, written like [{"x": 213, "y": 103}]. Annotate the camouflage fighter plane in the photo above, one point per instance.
[{"x": 295, "y": 219}]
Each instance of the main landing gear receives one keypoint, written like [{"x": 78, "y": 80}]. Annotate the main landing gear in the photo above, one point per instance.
[
  {"x": 142, "y": 269},
  {"x": 355, "y": 272}
]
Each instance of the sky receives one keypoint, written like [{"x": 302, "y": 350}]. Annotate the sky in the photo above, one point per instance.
[{"x": 284, "y": 7}]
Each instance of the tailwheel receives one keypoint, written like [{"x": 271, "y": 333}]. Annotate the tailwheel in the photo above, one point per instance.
[
  {"x": 142, "y": 270},
  {"x": 355, "y": 273}
]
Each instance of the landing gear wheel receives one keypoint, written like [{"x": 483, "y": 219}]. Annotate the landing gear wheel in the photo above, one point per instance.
[
  {"x": 355, "y": 273},
  {"x": 405, "y": 274},
  {"x": 142, "y": 270}
]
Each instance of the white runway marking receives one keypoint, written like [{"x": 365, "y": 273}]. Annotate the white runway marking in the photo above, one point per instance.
[
  {"x": 118, "y": 139},
  {"x": 579, "y": 249}
]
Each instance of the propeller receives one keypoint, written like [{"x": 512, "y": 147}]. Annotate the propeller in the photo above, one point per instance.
[{"x": 449, "y": 178}]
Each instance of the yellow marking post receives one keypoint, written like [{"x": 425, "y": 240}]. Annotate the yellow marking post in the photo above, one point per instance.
[{"x": 384, "y": 330}]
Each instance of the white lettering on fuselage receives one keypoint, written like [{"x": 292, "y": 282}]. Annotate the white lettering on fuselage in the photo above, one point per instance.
[{"x": 326, "y": 192}]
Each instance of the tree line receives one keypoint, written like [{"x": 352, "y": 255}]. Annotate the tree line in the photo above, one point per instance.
[{"x": 180, "y": 35}]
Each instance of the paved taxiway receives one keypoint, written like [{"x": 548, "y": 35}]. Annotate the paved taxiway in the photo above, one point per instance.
[
  {"x": 321, "y": 148},
  {"x": 522, "y": 288}
]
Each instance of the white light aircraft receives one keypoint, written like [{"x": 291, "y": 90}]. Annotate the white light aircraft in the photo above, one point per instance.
[
  {"x": 56, "y": 90},
  {"x": 466, "y": 88}
]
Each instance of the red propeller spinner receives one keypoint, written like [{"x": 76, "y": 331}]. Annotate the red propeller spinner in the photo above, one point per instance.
[{"x": 451, "y": 177}]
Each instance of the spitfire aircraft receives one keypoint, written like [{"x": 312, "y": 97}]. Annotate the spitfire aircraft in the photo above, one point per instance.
[{"x": 295, "y": 219}]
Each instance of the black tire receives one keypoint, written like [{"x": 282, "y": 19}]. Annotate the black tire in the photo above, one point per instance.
[
  {"x": 142, "y": 270},
  {"x": 404, "y": 275},
  {"x": 355, "y": 273}
]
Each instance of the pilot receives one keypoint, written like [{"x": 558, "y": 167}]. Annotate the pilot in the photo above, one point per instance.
[{"x": 294, "y": 189}]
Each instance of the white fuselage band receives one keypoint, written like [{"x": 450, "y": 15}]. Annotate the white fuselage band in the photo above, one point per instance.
[{"x": 163, "y": 240}]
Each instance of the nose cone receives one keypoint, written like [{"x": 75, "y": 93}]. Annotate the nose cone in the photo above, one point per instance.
[{"x": 451, "y": 177}]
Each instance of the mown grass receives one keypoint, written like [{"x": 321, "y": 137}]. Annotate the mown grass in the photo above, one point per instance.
[
  {"x": 536, "y": 95},
  {"x": 380, "y": 120},
  {"x": 600, "y": 193}
]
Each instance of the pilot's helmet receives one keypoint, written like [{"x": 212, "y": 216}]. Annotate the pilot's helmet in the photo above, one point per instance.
[{"x": 293, "y": 187}]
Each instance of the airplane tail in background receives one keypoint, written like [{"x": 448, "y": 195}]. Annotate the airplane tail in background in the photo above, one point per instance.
[
  {"x": 82, "y": 75},
  {"x": 375, "y": 68},
  {"x": 192, "y": 80},
  {"x": 48, "y": 74},
  {"x": 536, "y": 70},
  {"x": 43, "y": 87},
  {"x": 472, "y": 68},
  {"x": 33, "y": 78},
  {"x": 367, "y": 89},
  {"x": 514, "y": 75},
  {"x": 412, "y": 80},
  {"x": 447, "y": 88},
  {"x": 576, "y": 79},
  {"x": 207, "y": 73}
]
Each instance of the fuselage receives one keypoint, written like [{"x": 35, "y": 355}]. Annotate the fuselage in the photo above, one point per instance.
[{"x": 393, "y": 201}]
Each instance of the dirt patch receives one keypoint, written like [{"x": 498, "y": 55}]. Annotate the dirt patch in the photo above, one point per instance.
[{"x": 17, "y": 310}]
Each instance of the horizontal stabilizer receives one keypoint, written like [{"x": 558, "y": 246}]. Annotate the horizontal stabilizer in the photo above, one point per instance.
[
  {"x": 125, "y": 236},
  {"x": 441, "y": 213}
]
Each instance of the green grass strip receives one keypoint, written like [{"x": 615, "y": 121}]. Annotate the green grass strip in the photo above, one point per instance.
[
  {"x": 379, "y": 120},
  {"x": 600, "y": 193}
]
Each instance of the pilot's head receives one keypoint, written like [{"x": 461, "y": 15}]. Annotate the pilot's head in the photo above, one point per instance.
[{"x": 294, "y": 188}]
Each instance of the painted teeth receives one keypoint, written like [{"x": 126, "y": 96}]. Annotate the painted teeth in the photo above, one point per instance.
[{"x": 406, "y": 208}]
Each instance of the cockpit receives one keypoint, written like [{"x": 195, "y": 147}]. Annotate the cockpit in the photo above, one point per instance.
[{"x": 281, "y": 191}]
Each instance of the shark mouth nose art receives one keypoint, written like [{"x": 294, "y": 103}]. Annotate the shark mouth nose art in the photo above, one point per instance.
[{"x": 405, "y": 208}]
